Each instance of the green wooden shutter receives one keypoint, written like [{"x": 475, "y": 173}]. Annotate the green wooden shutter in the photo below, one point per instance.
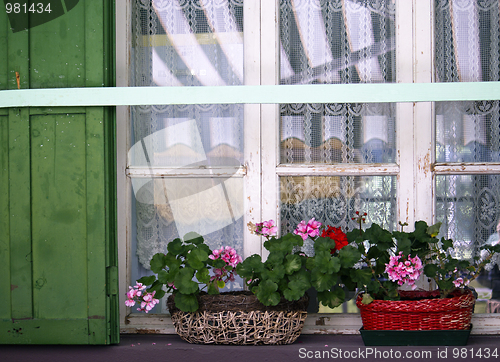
[{"x": 57, "y": 179}]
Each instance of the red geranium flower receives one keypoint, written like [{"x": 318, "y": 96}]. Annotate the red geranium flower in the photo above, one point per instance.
[{"x": 337, "y": 235}]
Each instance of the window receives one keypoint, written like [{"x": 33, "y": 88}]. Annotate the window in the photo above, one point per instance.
[
  {"x": 213, "y": 168},
  {"x": 467, "y": 133}
]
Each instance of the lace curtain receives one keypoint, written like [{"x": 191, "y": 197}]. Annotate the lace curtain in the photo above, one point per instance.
[
  {"x": 186, "y": 43},
  {"x": 337, "y": 41}
]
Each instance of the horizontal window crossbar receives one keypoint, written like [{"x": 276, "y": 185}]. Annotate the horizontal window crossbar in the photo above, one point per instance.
[
  {"x": 466, "y": 168},
  {"x": 260, "y": 94},
  {"x": 159, "y": 172}
]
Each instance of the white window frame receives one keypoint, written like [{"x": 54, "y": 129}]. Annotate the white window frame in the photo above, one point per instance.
[
  {"x": 415, "y": 191},
  {"x": 250, "y": 171}
]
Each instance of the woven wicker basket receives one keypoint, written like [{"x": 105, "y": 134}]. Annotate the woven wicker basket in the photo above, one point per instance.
[
  {"x": 420, "y": 310},
  {"x": 239, "y": 318}
]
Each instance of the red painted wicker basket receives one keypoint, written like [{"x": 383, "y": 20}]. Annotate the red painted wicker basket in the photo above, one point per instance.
[{"x": 420, "y": 310}]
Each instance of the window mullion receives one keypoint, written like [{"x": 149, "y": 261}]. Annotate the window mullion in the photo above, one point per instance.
[
  {"x": 269, "y": 112},
  {"x": 252, "y": 183},
  {"x": 404, "y": 113}
]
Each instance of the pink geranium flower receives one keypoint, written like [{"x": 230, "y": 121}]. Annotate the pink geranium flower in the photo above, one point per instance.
[
  {"x": 460, "y": 282},
  {"x": 311, "y": 229},
  {"x": 137, "y": 294},
  {"x": 231, "y": 257},
  {"x": 404, "y": 270},
  {"x": 266, "y": 228}
]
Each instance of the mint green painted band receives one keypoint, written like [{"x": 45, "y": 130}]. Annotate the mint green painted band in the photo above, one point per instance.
[{"x": 274, "y": 94}]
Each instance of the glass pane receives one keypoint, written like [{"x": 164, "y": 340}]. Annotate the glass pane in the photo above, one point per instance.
[
  {"x": 337, "y": 42},
  {"x": 187, "y": 136},
  {"x": 467, "y": 50},
  {"x": 186, "y": 43},
  {"x": 468, "y": 131},
  {"x": 168, "y": 208},
  {"x": 334, "y": 200},
  {"x": 469, "y": 208}
]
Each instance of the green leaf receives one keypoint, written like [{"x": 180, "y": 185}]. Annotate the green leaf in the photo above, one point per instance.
[
  {"x": 285, "y": 244},
  {"x": 463, "y": 264},
  {"x": 163, "y": 277},
  {"x": 451, "y": 265},
  {"x": 300, "y": 281},
  {"x": 392, "y": 291},
  {"x": 361, "y": 276},
  {"x": 157, "y": 287},
  {"x": 433, "y": 230},
  {"x": 160, "y": 294},
  {"x": 172, "y": 262},
  {"x": 326, "y": 262},
  {"x": 373, "y": 287},
  {"x": 147, "y": 280},
  {"x": 345, "y": 279},
  {"x": 203, "y": 276},
  {"x": 186, "y": 302},
  {"x": 212, "y": 289},
  {"x": 404, "y": 245},
  {"x": 293, "y": 263},
  {"x": 276, "y": 258},
  {"x": 367, "y": 299},
  {"x": 420, "y": 238},
  {"x": 249, "y": 266},
  {"x": 184, "y": 281},
  {"x": 310, "y": 263},
  {"x": 283, "y": 284},
  {"x": 380, "y": 237},
  {"x": 275, "y": 274},
  {"x": 221, "y": 284},
  {"x": 322, "y": 281},
  {"x": 332, "y": 299},
  {"x": 447, "y": 243},
  {"x": 323, "y": 244},
  {"x": 292, "y": 294},
  {"x": 266, "y": 293},
  {"x": 175, "y": 247},
  {"x": 193, "y": 238},
  {"x": 297, "y": 286},
  {"x": 381, "y": 262},
  {"x": 349, "y": 256},
  {"x": 158, "y": 262},
  {"x": 218, "y": 263},
  {"x": 430, "y": 270},
  {"x": 196, "y": 258},
  {"x": 205, "y": 248},
  {"x": 445, "y": 284}
]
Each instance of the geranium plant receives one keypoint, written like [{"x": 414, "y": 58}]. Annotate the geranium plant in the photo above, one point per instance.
[
  {"x": 390, "y": 260},
  {"x": 288, "y": 272},
  {"x": 188, "y": 268}
]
